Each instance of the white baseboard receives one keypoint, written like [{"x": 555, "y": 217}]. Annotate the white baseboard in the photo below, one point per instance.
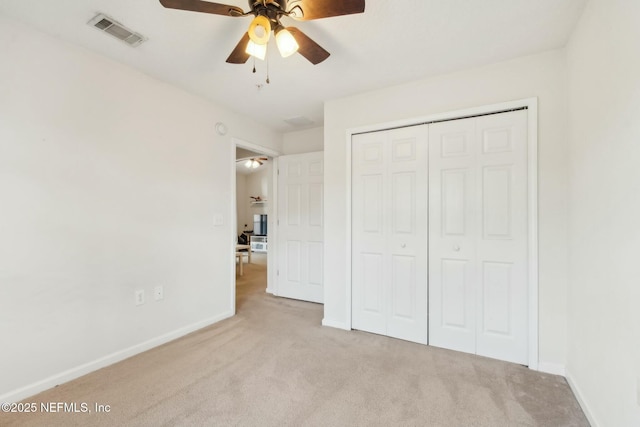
[
  {"x": 551, "y": 368},
  {"x": 110, "y": 359},
  {"x": 583, "y": 403},
  {"x": 334, "y": 324},
  {"x": 270, "y": 291}
]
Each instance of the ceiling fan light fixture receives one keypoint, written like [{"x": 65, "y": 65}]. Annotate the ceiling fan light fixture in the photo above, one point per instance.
[
  {"x": 287, "y": 44},
  {"x": 267, "y": 15},
  {"x": 256, "y": 50},
  {"x": 260, "y": 30},
  {"x": 252, "y": 164}
]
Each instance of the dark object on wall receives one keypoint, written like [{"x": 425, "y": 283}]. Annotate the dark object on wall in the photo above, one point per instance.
[{"x": 260, "y": 225}]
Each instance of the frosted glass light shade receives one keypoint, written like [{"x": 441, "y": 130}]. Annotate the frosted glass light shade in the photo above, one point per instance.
[
  {"x": 287, "y": 45},
  {"x": 260, "y": 30},
  {"x": 256, "y": 50},
  {"x": 252, "y": 164}
]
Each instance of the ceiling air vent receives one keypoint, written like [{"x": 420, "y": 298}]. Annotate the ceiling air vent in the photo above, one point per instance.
[
  {"x": 298, "y": 121},
  {"x": 104, "y": 23}
]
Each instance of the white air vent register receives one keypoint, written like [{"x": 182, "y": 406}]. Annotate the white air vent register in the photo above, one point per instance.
[{"x": 104, "y": 23}]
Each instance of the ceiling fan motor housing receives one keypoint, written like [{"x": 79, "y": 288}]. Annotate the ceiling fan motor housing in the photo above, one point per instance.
[
  {"x": 271, "y": 9},
  {"x": 282, "y": 4}
]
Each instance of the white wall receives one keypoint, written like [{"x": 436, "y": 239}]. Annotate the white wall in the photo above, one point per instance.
[
  {"x": 258, "y": 184},
  {"x": 242, "y": 206},
  {"x": 303, "y": 141},
  {"x": 109, "y": 182},
  {"x": 604, "y": 235},
  {"x": 542, "y": 76}
]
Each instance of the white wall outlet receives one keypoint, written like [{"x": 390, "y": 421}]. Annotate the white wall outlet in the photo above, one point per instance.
[
  {"x": 158, "y": 293},
  {"x": 218, "y": 220},
  {"x": 139, "y": 296}
]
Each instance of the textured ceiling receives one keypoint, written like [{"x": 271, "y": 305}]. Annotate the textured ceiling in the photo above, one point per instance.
[{"x": 393, "y": 42}]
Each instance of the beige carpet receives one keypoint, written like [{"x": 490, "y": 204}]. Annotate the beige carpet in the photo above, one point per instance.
[{"x": 273, "y": 365}]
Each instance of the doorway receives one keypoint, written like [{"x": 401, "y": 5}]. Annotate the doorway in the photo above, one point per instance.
[{"x": 253, "y": 214}]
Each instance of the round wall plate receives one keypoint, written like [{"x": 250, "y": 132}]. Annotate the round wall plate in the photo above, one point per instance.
[{"x": 221, "y": 128}]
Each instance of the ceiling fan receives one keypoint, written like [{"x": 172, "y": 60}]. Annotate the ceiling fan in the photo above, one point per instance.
[
  {"x": 252, "y": 162},
  {"x": 267, "y": 14}
]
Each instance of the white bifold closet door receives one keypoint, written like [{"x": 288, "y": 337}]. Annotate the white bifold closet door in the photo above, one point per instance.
[
  {"x": 478, "y": 292},
  {"x": 389, "y": 233}
]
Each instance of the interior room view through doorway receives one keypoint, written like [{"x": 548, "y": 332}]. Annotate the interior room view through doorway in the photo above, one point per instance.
[{"x": 254, "y": 219}]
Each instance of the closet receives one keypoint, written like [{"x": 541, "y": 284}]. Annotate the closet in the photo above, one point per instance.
[{"x": 439, "y": 234}]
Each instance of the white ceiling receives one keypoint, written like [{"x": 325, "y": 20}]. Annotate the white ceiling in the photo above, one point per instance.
[{"x": 394, "y": 41}]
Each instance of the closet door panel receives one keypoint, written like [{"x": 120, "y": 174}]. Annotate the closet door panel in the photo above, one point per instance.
[
  {"x": 478, "y": 289},
  {"x": 407, "y": 243},
  {"x": 503, "y": 315},
  {"x": 369, "y": 230},
  {"x": 452, "y": 278},
  {"x": 389, "y": 216}
]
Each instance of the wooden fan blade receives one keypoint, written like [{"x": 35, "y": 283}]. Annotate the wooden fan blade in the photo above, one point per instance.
[
  {"x": 203, "y": 6},
  {"x": 308, "y": 48},
  {"x": 239, "y": 56},
  {"x": 316, "y": 9}
]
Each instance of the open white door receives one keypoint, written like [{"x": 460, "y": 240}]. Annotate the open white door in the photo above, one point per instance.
[{"x": 300, "y": 227}]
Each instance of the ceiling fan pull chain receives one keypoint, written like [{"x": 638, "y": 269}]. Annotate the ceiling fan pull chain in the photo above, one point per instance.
[
  {"x": 254, "y": 65},
  {"x": 268, "y": 70}
]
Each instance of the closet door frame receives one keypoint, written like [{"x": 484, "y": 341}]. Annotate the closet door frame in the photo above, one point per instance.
[{"x": 531, "y": 105}]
